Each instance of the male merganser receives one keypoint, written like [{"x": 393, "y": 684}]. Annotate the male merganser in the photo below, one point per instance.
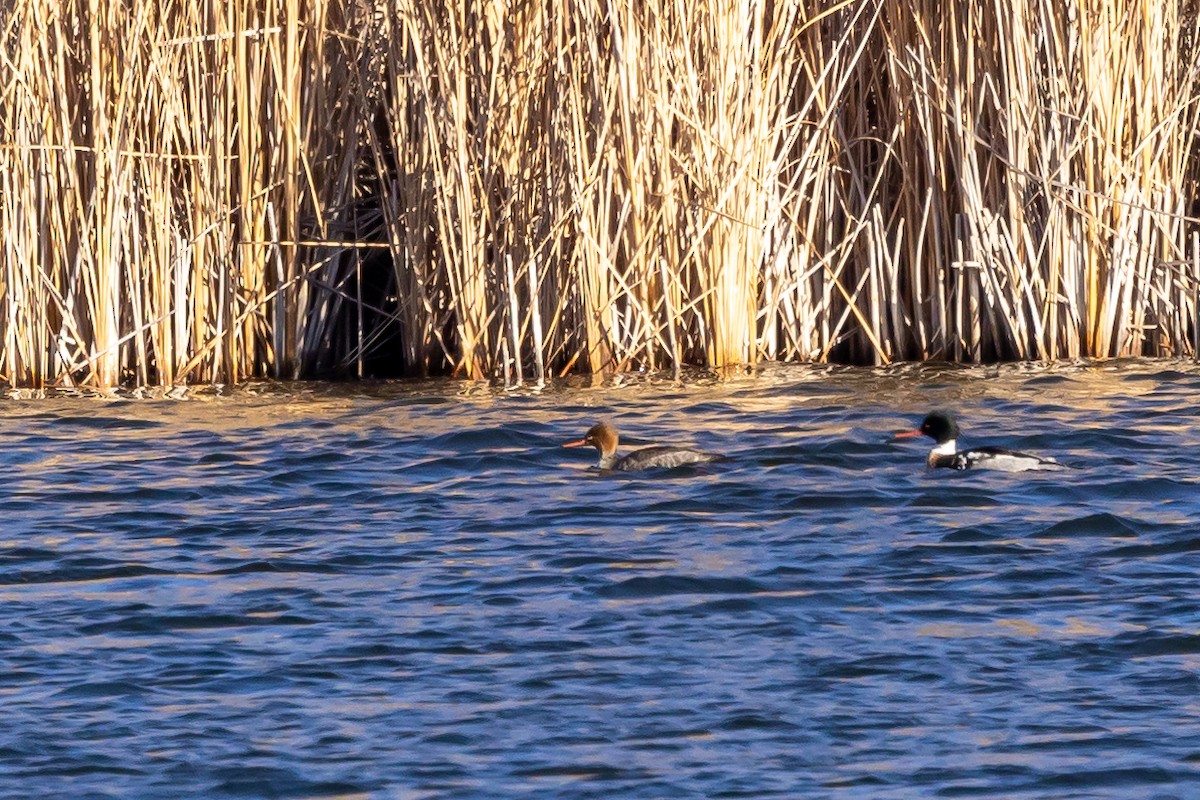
[
  {"x": 942, "y": 428},
  {"x": 603, "y": 437}
]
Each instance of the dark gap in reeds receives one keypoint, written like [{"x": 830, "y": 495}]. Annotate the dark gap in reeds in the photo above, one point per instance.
[{"x": 208, "y": 192}]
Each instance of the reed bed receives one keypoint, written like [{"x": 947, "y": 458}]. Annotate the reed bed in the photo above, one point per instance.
[{"x": 208, "y": 192}]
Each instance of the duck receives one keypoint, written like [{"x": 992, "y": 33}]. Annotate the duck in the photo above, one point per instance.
[
  {"x": 603, "y": 437},
  {"x": 943, "y": 429}
]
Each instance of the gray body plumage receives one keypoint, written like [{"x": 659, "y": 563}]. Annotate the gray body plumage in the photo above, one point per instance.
[{"x": 658, "y": 457}]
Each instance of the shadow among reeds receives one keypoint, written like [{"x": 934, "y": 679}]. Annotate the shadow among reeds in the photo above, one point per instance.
[{"x": 207, "y": 192}]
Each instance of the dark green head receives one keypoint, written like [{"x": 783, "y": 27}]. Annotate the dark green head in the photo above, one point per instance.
[{"x": 940, "y": 427}]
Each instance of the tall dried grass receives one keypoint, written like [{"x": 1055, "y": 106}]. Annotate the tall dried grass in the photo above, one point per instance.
[{"x": 205, "y": 192}]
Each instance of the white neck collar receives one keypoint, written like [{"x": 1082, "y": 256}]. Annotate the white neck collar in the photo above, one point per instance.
[{"x": 946, "y": 448}]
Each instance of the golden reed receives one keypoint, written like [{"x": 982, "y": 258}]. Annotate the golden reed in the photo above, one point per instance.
[{"x": 201, "y": 191}]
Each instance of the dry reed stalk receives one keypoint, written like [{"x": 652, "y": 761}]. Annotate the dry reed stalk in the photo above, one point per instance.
[
  {"x": 190, "y": 190},
  {"x": 1194, "y": 316},
  {"x": 142, "y": 156}
]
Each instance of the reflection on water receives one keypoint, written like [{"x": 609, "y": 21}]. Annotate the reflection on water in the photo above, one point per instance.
[{"x": 414, "y": 591}]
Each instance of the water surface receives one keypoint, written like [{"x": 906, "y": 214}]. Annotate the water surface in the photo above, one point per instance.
[{"x": 413, "y": 591}]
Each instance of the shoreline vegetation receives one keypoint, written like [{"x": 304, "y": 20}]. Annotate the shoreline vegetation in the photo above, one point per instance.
[{"x": 204, "y": 192}]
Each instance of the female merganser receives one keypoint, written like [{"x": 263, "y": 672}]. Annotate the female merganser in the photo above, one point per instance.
[
  {"x": 603, "y": 437},
  {"x": 942, "y": 428}
]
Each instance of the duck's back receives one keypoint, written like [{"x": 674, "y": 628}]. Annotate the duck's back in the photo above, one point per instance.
[
  {"x": 663, "y": 456},
  {"x": 997, "y": 458}
]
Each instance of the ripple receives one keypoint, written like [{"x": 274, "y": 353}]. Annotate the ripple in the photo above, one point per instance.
[
  {"x": 664, "y": 585},
  {"x": 411, "y": 590},
  {"x": 1100, "y": 525}
]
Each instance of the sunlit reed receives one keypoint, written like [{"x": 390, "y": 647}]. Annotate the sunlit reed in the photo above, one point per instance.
[{"x": 207, "y": 192}]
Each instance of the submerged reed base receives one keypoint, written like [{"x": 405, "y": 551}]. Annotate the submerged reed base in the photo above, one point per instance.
[{"x": 205, "y": 192}]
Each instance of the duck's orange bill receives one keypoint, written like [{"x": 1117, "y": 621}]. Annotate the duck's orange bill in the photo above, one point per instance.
[
  {"x": 580, "y": 443},
  {"x": 908, "y": 435}
]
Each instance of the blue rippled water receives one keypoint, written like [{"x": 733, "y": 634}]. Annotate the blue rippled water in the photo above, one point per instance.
[{"x": 413, "y": 591}]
